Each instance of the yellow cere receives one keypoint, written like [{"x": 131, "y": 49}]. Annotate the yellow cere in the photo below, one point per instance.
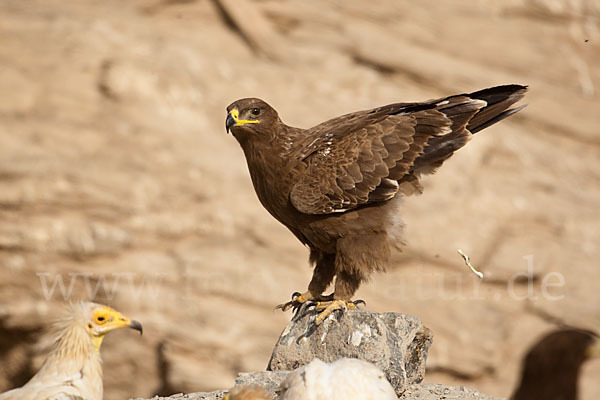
[{"x": 236, "y": 117}]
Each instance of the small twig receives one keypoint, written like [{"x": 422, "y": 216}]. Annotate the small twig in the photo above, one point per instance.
[{"x": 468, "y": 262}]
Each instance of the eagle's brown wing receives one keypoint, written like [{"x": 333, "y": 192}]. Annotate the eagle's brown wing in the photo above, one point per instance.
[{"x": 360, "y": 158}]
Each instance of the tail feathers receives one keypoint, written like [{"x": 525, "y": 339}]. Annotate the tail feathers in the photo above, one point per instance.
[
  {"x": 498, "y": 99},
  {"x": 466, "y": 111},
  {"x": 499, "y": 117}
]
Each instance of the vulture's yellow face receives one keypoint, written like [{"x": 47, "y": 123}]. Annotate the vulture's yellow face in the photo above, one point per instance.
[{"x": 104, "y": 319}]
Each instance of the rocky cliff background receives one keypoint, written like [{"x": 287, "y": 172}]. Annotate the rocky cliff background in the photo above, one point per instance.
[{"x": 117, "y": 178}]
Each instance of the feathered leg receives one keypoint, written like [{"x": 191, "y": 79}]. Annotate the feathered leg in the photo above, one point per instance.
[
  {"x": 356, "y": 258},
  {"x": 323, "y": 273},
  {"x": 322, "y": 276}
]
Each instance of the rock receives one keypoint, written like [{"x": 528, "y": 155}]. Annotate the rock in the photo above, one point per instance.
[
  {"x": 442, "y": 392},
  {"x": 216, "y": 395},
  {"x": 412, "y": 392},
  {"x": 270, "y": 380},
  {"x": 395, "y": 343}
]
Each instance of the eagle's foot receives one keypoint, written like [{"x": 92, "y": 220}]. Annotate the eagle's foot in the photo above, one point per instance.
[
  {"x": 300, "y": 299},
  {"x": 328, "y": 307}
]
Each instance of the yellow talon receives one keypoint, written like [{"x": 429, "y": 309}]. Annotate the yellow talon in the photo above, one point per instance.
[
  {"x": 328, "y": 307},
  {"x": 297, "y": 300}
]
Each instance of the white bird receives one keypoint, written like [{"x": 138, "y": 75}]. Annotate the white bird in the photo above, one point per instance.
[
  {"x": 73, "y": 369},
  {"x": 346, "y": 378}
]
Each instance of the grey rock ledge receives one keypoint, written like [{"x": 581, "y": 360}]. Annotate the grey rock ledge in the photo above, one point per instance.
[{"x": 396, "y": 343}]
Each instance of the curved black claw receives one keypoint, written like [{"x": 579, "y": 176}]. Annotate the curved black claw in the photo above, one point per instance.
[
  {"x": 323, "y": 307},
  {"x": 300, "y": 304},
  {"x": 302, "y": 309},
  {"x": 294, "y": 303},
  {"x": 357, "y": 302},
  {"x": 312, "y": 328}
]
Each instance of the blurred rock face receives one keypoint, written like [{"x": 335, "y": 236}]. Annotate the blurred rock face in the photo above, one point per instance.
[{"x": 118, "y": 183}]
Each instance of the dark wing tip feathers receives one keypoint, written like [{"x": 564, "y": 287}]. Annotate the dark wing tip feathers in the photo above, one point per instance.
[
  {"x": 499, "y": 93},
  {"x": 497, "y": 118},
  {"x": 498, "y": 99}
]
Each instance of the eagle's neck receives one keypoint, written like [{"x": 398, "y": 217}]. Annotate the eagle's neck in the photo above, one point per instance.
[
  {"x": 74, "y": 361},
  {"x": 271, "y": 166}
]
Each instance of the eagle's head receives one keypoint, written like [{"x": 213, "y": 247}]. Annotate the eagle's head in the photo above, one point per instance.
[{"x": 250, "y": 119}]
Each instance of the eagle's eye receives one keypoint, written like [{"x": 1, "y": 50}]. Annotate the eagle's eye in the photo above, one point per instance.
[
  {"x": 255, "y": 111},
  {"x": 100, "y": 319}
]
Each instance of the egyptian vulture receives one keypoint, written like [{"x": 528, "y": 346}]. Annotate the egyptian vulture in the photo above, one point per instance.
[{"x": 73, "y": 369}]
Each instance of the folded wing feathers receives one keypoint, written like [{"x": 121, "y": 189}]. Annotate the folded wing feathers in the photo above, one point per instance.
[
  {"x": 458, "y": 110},
  {"x": 390, "y": 146}
]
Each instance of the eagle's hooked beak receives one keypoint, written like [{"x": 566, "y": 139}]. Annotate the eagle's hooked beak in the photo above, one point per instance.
[
  {"x": 229, "y": 122},
  {"x": 233, "y": 119}
]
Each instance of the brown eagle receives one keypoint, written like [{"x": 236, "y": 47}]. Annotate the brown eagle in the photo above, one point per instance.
[
  {"x": 337, "y": 185},
  {"x": 551, "y": 367}
]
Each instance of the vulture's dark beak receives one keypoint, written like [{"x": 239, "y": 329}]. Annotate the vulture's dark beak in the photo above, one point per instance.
[
  {"x": 137, "y": 326},
  {"x": 594, "y": 350},
  {"x": 229, "y": 122}
]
